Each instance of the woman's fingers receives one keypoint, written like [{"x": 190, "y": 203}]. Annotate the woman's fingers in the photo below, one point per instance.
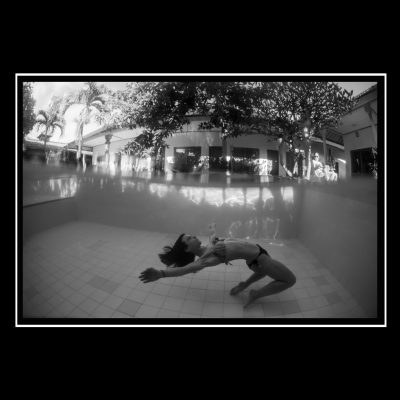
[{"x": 146, "y": 275}]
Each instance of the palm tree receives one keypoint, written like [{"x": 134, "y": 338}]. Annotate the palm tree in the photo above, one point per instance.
[
  {"x": 93, "y": 98},
  {"x": 50, "y": 120},
  {"x": 111, "y": 117}
]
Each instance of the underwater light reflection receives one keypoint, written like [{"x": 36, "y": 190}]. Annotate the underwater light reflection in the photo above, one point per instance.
[
  {"x": 287, "y": 194},
  {"x": 250, "y": 197},
  {"x": 50, "y": 189}
]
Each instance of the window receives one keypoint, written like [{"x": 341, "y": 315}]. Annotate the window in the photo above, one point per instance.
[
  {"x": 243, "y": 159},
  {"x": 215, "y": 158},
  {"x": 187, "y": 159},
  {"x": 362, "y": 162}
]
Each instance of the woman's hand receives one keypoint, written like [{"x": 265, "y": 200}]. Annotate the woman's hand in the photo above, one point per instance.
[{"x": 150, "y": 275}]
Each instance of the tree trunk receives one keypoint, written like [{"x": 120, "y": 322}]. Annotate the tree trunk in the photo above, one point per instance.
[
  {"x": 45, "y": 156},
  {"x": 308, "y": 162},
  {"x": 154, "y": 158},
  {"x": 79, "y": 150},
  {"x": 80, "y": 134},
  {"x": 283, "y": 164},
  {"x": 45, "y": 141}
]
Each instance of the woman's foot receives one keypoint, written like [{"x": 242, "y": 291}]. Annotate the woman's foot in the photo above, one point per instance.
[
  {"x": 252, "y": 297},
  {"x": 237, "y": 289}
]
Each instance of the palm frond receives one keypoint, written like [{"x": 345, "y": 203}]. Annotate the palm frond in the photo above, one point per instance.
[
  {"x": 58, "y": 125},
  {"x": 39, "y": 124},
  {"x": 44, "y": 114},
  {"x": 81, "y": 97}
]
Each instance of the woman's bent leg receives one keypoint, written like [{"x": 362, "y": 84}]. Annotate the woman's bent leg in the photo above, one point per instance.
[{"x": 283, "y": 278}]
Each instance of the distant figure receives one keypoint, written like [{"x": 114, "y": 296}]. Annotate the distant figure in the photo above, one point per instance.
[
  {"x": 330, "y": 173},
  {"x": 182, "y": 256},
  {"x": 318, "y": 167}
]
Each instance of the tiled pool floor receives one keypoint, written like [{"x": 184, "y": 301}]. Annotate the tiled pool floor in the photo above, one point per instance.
[{"x": 86, "y": 270}]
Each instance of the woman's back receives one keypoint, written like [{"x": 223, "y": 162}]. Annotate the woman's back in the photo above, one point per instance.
[{"x": 233, "y": 249}]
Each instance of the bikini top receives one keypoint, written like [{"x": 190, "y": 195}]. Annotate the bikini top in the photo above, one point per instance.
[{"x": 219, "y": 250}]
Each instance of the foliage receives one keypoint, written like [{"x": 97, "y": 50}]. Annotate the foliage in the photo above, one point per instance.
[
  {"x": 292, "y": 106},
  {"x": 233, "y": 107},
  {"x": 160, "y": 108},
  {"x": 28, "y": 104},
  {"x": 111, "y": 113},
  {"x": 275, "y": 109}
]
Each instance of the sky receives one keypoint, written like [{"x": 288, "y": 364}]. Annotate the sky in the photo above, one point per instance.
[{"x": 44, "y": 91}]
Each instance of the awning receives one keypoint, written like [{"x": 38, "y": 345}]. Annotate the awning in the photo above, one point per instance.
[{"x": 72, "y": 146}]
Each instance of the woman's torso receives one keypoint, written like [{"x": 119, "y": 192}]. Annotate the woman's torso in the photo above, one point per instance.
[{"x": 234, "y": 249}]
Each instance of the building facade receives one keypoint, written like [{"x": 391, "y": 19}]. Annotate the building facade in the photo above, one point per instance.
[
  {"x": 193, "y": 149},
  {"x": 348, "y": 148},
  {"x": 360, "y": 135}
]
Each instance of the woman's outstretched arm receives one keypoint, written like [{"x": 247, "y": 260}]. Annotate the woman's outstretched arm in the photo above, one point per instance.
[{"x": 152, "y": 274}]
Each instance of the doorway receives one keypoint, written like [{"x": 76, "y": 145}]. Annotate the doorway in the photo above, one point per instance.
[
  {"x": 362, "y": 162},
  {"x": 215, "y": 159},
  {"x": 273, "y": 159}
]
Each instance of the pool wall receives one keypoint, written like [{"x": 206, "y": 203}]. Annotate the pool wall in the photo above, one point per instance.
[
  {"x": 45, "y": 215},
  {"x": 339, "y": 226}
]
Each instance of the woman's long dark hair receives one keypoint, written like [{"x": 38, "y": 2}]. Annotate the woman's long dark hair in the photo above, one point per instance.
[{"x": 176, "y": 255}]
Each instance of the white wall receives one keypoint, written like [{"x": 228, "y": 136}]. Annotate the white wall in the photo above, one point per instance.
[{"x": 115, "y": 147}]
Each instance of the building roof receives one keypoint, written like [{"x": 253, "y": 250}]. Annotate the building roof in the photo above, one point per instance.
[
  {"x": 38, "y": 144},
  {"x": 332, "y": 136},
  {"x": 365, "y": 92},
  {"x": 357, "y": 119}
]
